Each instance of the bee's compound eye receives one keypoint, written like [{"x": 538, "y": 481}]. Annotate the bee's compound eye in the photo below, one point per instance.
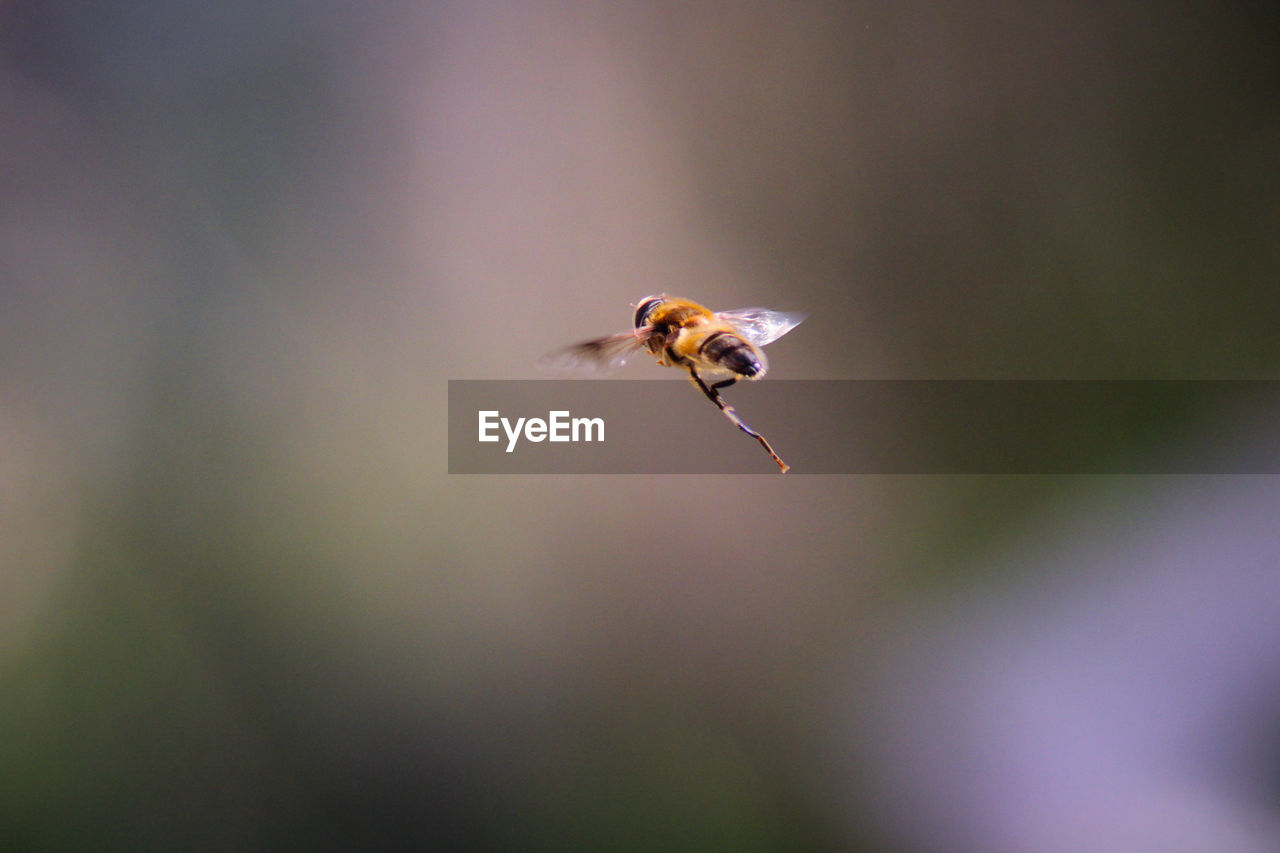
[{"x": 645, "y": 308}]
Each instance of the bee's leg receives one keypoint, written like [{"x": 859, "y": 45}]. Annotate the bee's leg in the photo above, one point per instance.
[{"x": 713, "y": 394}]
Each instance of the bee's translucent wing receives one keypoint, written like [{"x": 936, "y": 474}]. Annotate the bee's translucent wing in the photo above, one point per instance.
[
  {"x": 761, "y": 326},
  {"x": 598, "y": 356}
]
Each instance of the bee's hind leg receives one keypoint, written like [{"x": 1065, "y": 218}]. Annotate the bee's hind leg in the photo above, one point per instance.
[{"x": 713, "y": 394}]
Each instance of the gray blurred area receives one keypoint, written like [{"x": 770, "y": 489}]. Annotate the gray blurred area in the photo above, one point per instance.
[{"x": 243, "y": 247}]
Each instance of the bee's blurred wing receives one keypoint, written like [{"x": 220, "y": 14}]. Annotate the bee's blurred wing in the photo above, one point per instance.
[
  {"x": 598, "y": 356},
  {"x": 761, "y": 326}
]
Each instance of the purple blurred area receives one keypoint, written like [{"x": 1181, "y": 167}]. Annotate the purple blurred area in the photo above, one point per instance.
[{"x": 243, "y": 247}]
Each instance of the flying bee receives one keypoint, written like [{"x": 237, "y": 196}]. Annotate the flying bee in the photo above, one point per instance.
[{"x": 723, "y": 345}]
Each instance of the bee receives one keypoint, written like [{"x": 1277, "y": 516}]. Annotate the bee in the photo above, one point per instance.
[{"x": 715, "y": 345}]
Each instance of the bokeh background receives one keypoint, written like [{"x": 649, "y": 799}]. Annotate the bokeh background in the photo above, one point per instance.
[{"x": 243, "y": 246}]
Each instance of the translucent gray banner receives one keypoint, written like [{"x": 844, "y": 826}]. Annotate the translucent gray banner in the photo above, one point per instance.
[{"x": 866, "y": 427}]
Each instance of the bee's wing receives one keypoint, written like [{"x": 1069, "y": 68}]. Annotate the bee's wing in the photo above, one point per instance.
[
  {"x": 598, "y": 356},
  {"x": 761, "y": 326}
]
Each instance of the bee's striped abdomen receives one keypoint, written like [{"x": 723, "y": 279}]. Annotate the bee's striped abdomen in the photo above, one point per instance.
[{"x": 730, "y": 352}]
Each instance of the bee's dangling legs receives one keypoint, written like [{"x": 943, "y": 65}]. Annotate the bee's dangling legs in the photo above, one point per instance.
[{"x": 713, "y": 394}]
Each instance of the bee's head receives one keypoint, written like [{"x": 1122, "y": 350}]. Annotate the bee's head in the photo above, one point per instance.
[{"x": 645, "y": 308}]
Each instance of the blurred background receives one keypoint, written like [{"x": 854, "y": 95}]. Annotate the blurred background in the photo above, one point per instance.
[{"x": 243, "y": 246}]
